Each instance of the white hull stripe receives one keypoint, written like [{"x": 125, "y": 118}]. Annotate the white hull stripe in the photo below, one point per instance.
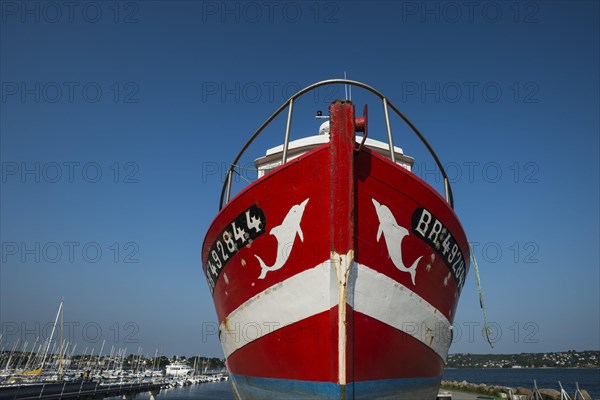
[
  {"x": 314, "y": 291},
  {"x": 298, "y": 297},
  {"x": 380, "y": 297}
]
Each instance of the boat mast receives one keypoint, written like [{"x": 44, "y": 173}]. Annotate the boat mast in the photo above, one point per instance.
[
  {"x": 123, "y": 355},
  {"x": 99, "y": 357},
  {"x": 31, "y": 354},
  {"x": 81, "y": 361},
  {"x": 60, "y": 349},
  {"x": 38, "y": 356},
  {"x": 52, "y": 334},
  {"x": 110, "y": 358},
  {"x": 11, "y": 353},
  {"x": 67, "y": 361},
  {"x": 155, "y": 363},
  {"x": 89, "y": 364},
  {"x": 22, "y": 355}
]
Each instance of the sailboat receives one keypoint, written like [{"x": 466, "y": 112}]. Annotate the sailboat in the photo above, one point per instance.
[{"x": 40, "y": 369}]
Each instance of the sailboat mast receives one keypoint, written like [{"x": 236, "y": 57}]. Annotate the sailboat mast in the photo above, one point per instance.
[
  {"x": 11, "y": 353},
  {"x": 112, "y": 350},
  {"x": 67, "y": 362},
  {"x": 99, "y": 356},
  {"x": 32, "y": 351},
  {"x": 52, "y": 334},
  {"x": 60, "y": 350},
  {"x": 22, "y": 354}
]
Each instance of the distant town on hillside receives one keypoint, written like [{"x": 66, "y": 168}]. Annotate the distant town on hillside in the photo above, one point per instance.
[{"x": 566, "y": 359}]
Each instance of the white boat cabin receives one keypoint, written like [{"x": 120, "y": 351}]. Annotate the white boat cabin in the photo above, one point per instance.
[{"x": 296, "y": 148}]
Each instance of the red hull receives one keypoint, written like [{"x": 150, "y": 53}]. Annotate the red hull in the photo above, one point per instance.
[{"x": 338, "y": 268}]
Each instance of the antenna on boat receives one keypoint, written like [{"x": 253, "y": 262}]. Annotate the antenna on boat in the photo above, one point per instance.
[{"x": 347, "y": 89}]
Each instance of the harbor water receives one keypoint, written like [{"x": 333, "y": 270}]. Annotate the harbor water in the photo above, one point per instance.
[
  {"x": 220, "y": 390},
  {"x": 589, "y": 379}
]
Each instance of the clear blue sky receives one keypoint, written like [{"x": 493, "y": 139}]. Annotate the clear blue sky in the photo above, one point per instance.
[{"x": 116, "y": 119}]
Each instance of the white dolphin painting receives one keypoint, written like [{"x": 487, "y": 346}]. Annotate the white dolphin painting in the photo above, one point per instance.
[
  {"x": 393, "y": 235},
  {"x": 285, "y": 235}
]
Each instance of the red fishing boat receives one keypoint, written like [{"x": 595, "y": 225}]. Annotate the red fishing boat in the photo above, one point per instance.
[{"x": 336, "y": 274}]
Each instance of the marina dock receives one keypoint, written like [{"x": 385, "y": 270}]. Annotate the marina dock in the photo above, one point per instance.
[{"x": 76, "y": 390}]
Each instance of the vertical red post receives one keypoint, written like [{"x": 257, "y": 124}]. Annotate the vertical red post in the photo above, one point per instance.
[
  {"x": 342, "y": 220},
  {"x": 342, "y": 131}
]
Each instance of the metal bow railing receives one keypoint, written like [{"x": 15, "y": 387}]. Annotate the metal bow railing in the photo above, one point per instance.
[{"x": 226, "y": 190}]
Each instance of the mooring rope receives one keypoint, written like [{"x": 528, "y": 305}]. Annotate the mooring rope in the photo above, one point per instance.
[{"x": 486, "y": 327}]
